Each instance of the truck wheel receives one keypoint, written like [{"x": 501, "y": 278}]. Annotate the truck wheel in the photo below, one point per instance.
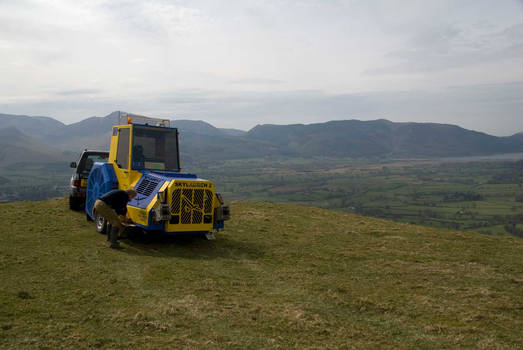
[
  {"x": 73, "y": 203},
  {"x": 100, "y": 223}
]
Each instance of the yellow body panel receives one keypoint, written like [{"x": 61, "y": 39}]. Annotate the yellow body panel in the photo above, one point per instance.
[
  {"x": 126, "y": 176},
  {"x": 138, "y": 215},
  {"x": 114, "y": 141},
  {"x": 122, "y": 174}
]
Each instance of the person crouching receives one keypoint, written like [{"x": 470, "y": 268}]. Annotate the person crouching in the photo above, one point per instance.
[{"x": 113, "y": 207}]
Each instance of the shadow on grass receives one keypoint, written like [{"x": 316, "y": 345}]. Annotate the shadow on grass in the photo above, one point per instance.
[{"x": 190, "y": 247}]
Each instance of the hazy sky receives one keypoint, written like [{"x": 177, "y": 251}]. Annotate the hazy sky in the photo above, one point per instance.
[{"x": 241, "y": 63}]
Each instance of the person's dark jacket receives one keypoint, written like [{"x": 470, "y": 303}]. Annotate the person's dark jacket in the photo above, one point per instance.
[{"x": 116, "y": 199}]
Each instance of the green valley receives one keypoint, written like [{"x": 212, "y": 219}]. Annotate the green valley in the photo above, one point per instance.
[{"x": 478, "y": 195}]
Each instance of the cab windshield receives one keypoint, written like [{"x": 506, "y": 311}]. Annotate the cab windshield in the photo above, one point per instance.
[{"x": 155, "y": 149}]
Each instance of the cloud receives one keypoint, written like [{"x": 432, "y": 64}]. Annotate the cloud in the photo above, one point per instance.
[
  {"x": 257, "y": 81},
  {"x": 151, "y": 17},
  {"x": 240, "y": 63},
  {"x": 456, "y": 46},
  {"x": 79, "y": 92}
]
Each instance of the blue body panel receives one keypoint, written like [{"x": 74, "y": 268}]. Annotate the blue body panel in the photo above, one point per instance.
[
  {"x": 102, "y": 179},
  {"x": 150, "y": 183},
  {"x": 147, "y": 188},
  {"x": 170, "y": 175}
]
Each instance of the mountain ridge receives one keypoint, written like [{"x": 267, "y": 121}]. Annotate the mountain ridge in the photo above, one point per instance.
[
  {"x": 336, "y": 138},
  {"x": 384, "y": 138}
]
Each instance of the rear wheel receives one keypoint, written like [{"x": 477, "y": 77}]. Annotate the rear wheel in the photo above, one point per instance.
[
  {"x": 100, "y": 223},
  {"x": 74, "y": 203}
]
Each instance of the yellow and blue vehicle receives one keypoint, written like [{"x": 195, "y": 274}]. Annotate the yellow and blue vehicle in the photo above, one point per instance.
[{"x": 144, "y": 155}]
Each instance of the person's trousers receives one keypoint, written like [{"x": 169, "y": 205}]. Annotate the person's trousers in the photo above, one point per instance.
[{"x": 109, "y": 214}]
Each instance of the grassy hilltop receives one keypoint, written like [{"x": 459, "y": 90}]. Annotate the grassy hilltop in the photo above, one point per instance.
[{"x": 279, "y": 276}]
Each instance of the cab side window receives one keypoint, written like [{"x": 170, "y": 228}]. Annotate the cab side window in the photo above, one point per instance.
[{"x": 122, "y": 153}]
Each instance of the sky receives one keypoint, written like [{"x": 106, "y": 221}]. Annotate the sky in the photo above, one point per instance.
[{"x": 239, "y": 63}]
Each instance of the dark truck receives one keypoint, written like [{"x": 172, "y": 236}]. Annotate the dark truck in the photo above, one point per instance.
[{"x": 80, "y": 175}]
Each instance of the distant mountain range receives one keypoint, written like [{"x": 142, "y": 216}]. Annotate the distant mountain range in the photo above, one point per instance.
[
  {"x": 43, "y": 139},
  {"x": 380, "y": 138}
]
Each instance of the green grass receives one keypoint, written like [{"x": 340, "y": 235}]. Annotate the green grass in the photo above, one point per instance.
[{"x": 279, "y": 276}]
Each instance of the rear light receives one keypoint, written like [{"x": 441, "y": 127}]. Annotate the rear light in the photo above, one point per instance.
[{"x": 76, "y": 183}]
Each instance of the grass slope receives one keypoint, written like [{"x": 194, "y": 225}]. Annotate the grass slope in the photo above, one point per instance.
[{"x": 279, "y": 276}]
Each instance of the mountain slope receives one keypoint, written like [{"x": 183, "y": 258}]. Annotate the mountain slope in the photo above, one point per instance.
[
  {"x": 430, "y": 139},
  {"x": 383, "y": 138},
  {"x": 279, "y": 276},
  {"x": 196, "y": 127},
  {"x": 90, "y": 133},
  {"x": 201, "y": 127},
  {"x": 36, "y": 127},
  {"x": 233, "y": 132},
  {"x": 16, "y": 147}
]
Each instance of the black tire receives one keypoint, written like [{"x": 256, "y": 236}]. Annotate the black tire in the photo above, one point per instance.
[
  {"x": 74, "y": 203},
  {"x": 108, "y": 229},
  {"x": 100, "y": 224}
]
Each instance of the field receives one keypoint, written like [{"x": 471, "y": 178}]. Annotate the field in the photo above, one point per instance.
[
  {"x": 35, "y": 182},
  {"x": 280, "y": 276},
  {"x": 484, "y": 196}
]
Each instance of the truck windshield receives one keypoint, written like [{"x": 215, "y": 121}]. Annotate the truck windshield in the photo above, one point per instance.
[{"x": 155, "y": 149}]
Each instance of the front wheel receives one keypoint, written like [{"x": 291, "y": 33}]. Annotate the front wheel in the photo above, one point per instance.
[{"x": 100, "y": 223}]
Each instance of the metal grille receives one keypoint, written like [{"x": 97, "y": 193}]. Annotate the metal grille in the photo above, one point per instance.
[
  {"x": 191, "y": 204},
  {"x": 198, "y": 203},
  {"x": 175, "y": 202},
  {"x": 208, "y": 202},
  {"x": 147, "y": 186},
  {"x": 186, "y": 206}
]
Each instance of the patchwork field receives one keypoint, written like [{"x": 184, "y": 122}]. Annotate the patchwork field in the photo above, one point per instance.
[{"x": 477, "y": 195}]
